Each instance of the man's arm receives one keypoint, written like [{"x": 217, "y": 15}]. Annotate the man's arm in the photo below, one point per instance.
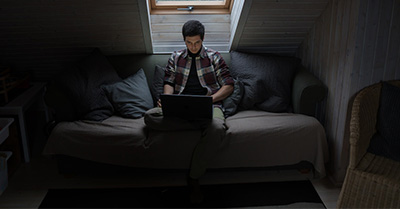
[
  {"x": 224, "y": 78},
  {"x": 168, "y": 89},
  {"x": 222, "y": 93}
]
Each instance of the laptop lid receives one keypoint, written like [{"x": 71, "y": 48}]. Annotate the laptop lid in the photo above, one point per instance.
[{"x": 189, "y": 107}]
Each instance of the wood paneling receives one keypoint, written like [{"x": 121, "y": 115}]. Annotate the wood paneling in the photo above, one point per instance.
[
  {"x": 264, "y": 26},
  {"x": 279, "y": 26},
  {"x": 43, "y": 37},
  {"x": 352, "y": 45}
]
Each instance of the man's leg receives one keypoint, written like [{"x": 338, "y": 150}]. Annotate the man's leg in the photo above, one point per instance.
[
  {"x": 155, "y": 120},
  {"x": 212, "y": 140}
]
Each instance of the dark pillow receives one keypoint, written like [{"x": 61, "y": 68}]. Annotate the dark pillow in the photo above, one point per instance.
[
  {"x": 81, "y": 83},
  {"x": 386, "y": 142},
  {"x": 131, "y": 97},
  {"x": 231, "y": 103},
  {"x": 157, "y": 86},
  {"x": 59, "y": 104},
  {"x": 267, "y": 80}
]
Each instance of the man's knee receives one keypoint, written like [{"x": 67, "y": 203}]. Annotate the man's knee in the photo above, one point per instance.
[
  {"x": 217, "y": 128},
  {"x": 153, "y": 117}
]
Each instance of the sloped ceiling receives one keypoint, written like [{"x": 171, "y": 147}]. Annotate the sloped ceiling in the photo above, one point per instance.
[
  {"x": 278, "y": 26},
  {"x": 43, "y": 37}
]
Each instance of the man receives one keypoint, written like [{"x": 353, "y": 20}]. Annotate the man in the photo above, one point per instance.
[{"x": 196, "y": 70}]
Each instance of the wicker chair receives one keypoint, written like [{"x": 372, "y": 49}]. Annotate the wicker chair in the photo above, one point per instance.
[{"x": 371, "y": 181}]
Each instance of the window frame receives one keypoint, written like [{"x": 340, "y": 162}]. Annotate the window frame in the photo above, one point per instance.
[{"x": 209, "y": 7}]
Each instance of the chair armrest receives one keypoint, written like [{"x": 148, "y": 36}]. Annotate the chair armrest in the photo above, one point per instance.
[
  {"x": 307, "y": 91},
  {"x": 363, "y": 122}
]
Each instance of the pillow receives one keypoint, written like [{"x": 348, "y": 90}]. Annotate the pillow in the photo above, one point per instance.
[
  {"x": 81, "y": 83},
  {"x": 131, "y": 97},
  {"x": 386, "y": 142},
  {"x": 266, "y": 78},
  {"x": 59, "y": 104},
  {"x": 231, "y": 103},
  {"x": 157, "y": 86}
]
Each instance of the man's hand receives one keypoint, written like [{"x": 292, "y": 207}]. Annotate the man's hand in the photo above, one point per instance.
[
  {"x": 167, "y": 90},
  {"x": 222, "y": 93},
  {"x": 159, "y": 103}
]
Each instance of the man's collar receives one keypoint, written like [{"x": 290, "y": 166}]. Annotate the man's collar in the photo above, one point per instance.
[{"x": 202, "y": 52}]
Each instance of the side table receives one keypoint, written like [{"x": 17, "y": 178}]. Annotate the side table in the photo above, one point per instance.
[{"x": 18, "y": 107}]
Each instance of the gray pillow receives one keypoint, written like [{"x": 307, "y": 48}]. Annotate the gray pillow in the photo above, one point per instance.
[
  {"x": 231, "y": 103},
  {"x": 157, "y": 86},
  {"x": 131, "y": 97},
  {"x": 267, "y": 80}
]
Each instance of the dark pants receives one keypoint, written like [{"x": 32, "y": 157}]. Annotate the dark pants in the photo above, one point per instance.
[{"x": 211, "y": 141}]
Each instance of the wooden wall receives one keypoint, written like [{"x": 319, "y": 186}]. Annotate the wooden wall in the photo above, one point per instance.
[
  {"x": 278, "y": 26},
  {"x": 378, "y": 43},
  {"x": 353, "y": 44},
  {"x": 41, "y": 37}
]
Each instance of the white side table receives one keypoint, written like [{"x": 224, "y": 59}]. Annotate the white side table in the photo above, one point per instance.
[
  {"x": 19, "y": 105},
  {"x": 4, "y": 155},
  {"x": 4, "y": 128}
]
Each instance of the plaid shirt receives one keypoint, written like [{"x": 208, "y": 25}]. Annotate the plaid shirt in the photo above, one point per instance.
[{"x": 212, "y": 70}]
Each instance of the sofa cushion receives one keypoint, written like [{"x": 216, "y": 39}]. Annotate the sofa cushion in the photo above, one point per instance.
[
  {"x": 157, "y": 86},
  {"x": 282, "y": 138},
  {"x": 81, "y": 83},
  {"x": 386, "y": 142},
  {"x": 267, "y": 80},
  {"x": 115, "y": 140},
  {"x": 131, "y": 97},
  {"x": 231, "y": 103}
]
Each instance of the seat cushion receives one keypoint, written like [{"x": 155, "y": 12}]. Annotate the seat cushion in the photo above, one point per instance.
[
  {"x": 254, "y": 139},
  {"x": 259, "y": 138},
  {"x": 374, "y": 183},
  {"x": 387, "y": 170},
  {"x": 115, "y": 140}
]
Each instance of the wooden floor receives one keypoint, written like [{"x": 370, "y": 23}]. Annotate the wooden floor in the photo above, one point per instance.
[{"x": 28, "y": 186}]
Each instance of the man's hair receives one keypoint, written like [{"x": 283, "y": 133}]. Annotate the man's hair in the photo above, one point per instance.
[{"x": 193, "y": 28}]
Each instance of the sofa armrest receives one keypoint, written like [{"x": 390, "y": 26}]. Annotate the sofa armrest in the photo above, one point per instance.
[{"x": 307, "y": 91}]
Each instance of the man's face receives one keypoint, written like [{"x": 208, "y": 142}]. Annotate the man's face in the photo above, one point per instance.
[{"x": 193, "y": 43}]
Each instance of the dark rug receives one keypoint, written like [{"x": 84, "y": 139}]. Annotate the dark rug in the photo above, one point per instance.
[{"x": 215, "y": 196}]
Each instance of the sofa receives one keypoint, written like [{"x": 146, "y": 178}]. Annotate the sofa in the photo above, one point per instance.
[{"x": 270, "y": 116}]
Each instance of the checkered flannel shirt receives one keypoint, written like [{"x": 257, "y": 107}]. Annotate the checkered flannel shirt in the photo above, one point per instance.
[{"x": 212, "y": 70}]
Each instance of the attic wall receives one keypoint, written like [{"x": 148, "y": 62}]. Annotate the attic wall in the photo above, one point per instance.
[
  {"x": 43, "y": 36},
  {"x": 352, "y": 45},
  {"x": 276, "y": 26}
]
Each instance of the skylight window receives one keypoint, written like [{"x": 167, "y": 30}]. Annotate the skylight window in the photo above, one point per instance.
[{"x": 190, "y": 6}]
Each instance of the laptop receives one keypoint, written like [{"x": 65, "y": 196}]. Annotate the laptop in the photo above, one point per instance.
[{"x": 190, "y": 107}]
